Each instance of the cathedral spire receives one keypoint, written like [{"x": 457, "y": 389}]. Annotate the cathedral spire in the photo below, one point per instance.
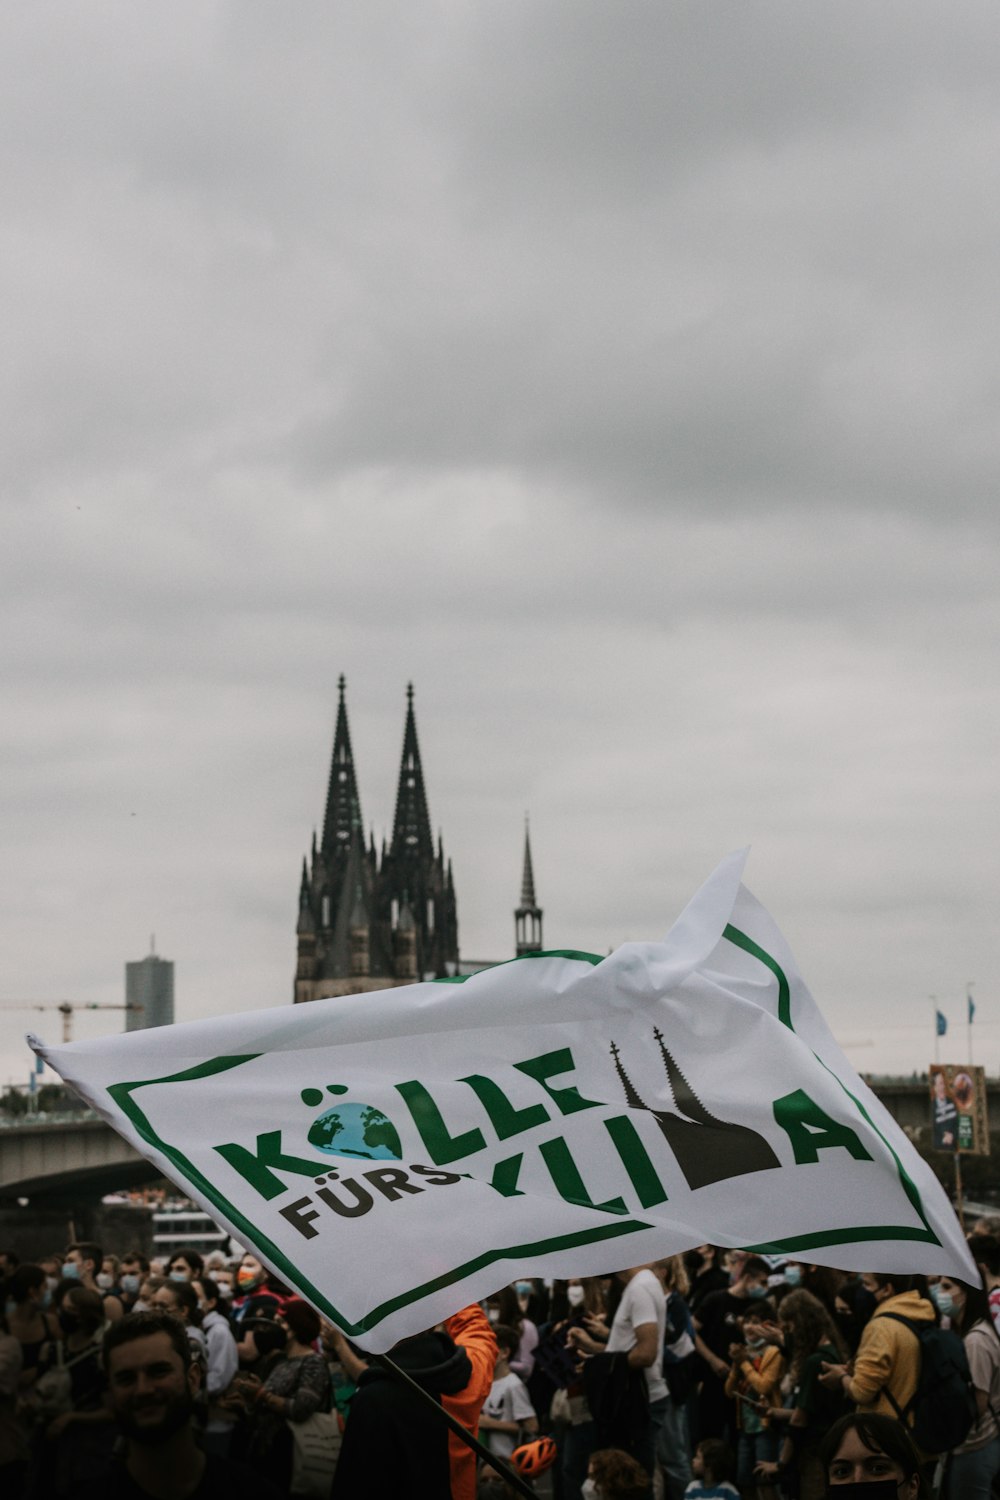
[
  {"x": 343, "y": 806},
  {"x": 528, "y": 877},
  {"x": 411, "y": 833},
  {"x": 528, "y": 916}
]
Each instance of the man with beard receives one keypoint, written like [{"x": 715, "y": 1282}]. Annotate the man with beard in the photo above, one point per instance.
[{"x": 152, "y": 1385}]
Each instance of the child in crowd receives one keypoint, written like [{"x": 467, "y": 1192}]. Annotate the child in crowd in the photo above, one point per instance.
[
  {"x": 712, "y": 1466},
  {"x": 614, "y": 1475},
  {"x": 754, "y": 1380},
  {"x": 508, "y": 1415}
]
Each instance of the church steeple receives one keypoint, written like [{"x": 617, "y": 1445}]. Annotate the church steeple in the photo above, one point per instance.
[
  {"x": 528, "y": 916},
  {"x": 411, "y": 832},
  {"x": 368, "y": 921},
  {"x": 343, "y": 806}
]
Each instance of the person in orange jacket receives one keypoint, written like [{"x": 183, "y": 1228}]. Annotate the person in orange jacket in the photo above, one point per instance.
[{"x": 394, "y": 1443}]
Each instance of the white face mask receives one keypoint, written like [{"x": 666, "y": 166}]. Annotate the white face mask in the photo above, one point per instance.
[
  {"x": 589, "y": 1490},
  {"x": 574, "y": 1296},
  {"x": 105, "y": 1280}
]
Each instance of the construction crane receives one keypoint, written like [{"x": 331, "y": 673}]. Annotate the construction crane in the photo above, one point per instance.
[{"x": 66, "y": 1009}]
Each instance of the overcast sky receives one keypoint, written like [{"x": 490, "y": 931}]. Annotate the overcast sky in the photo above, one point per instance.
[{"x": 627, "y": 375}]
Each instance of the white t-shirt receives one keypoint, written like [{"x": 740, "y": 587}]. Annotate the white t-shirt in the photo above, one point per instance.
[
  {"x": 643, "y": 1301},
  {"x": 508, "y": 1401}
]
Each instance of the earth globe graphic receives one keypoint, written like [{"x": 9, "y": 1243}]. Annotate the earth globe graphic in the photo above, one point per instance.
[{"x": 356, "y": 1130}]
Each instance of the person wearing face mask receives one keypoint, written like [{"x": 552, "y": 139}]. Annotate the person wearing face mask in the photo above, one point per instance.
[
  {"x": 509, "y": 1312},
  {"x": 180, "y": 1299},
  {"x": 132, "y": 1270},
  {"x": 255, "y": 1298},
  {"x": 809, "y": 1338},
  {"x": 629, "y": 1368},
  {"x": 752, "y": 1383},
  {"x": 887, "y": 1364},
  {"x": 222, "y": 1364},
  {"x": 716, "y": 1326},
  {"x": 973, "y": 1467},
  {"x": 83, "y": 1263},
  {"x": 185, "y": 1265},
  {"x": 107, "y": 1276},
  {"x": 871, "y": 1457},
  {"x": 582, "y": 1302},
  {"x": 32, "y": 1321},
  {"x": 78, "y": 1442}
]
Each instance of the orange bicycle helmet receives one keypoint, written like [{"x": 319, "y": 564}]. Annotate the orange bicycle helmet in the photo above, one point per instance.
[{"x": 534, "y": 1458}]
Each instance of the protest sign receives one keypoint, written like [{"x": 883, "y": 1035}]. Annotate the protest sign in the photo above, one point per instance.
[
  {"x": 397, "y": 1154},
  {"x": 958, "y": 1109}
]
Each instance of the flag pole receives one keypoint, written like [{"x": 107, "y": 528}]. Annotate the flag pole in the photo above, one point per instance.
[
  {"x": 968, "y": 1011},
  {"x": 510, "y": 1475},
  {"x": 937, "y": 1038}
]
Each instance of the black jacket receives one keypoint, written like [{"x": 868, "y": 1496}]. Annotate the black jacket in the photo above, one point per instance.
[{"x": 395, "y": 1444}]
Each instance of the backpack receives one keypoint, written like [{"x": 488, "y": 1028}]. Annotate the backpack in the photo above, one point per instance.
[{"x": 943, "y": 1407}]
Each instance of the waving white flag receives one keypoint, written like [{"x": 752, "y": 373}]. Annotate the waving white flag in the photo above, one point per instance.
[{"x": 397, "y": 1154}]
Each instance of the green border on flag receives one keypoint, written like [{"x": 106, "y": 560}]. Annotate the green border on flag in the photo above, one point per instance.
[{"x": 122, "y": 1094}]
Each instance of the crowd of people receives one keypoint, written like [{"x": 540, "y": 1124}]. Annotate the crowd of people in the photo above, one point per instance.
[{"x": 718, "y": 1373}]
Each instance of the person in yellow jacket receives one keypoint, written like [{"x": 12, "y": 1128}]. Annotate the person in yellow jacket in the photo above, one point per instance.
[{"x": 887, "y": 1363}]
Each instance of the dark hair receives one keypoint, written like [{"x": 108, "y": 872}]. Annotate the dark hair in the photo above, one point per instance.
[
  {"x": 143, "y": 1325},
  {"x": 25, "y": 1279},
  {"x": 879, "y": 1435},
  {"x": 185, "y": 1296},
  {"x": 976, "y": 1309},
  {"x": 89, "y": 1250},
  {"x": 209, "y": 1288},
  {"x": 509, "y": 1308},
  {"x": 137, "y": 1255},
  {"x": 507, "y": 1338},
  {"x": 190, "y": 1258},
  {"x": 267, "y": 1336},
  {"x": 897, "y": 1281},
  {"x": 718, "y": 1459},
  {"x": 87, "y": 1304},
  {"x": 985, "y": 1251},
  {"x": 302, "y": 1321},
  {"x": 754, "y": 1265},
  {"x": 760, "y": 1309},
  {"x": 618, "y": 1476},
  {"x": 812, "y": 1327}
]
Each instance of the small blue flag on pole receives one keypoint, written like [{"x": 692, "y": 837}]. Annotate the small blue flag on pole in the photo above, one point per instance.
[
  {"x": 942, "y": 1023},
  {"x": 972, "y": 1007}
]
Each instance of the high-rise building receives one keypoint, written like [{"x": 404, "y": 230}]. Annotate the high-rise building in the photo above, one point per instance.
[
  {"x": 149, "y": 988},
  {"x": 369, "y": 920}
]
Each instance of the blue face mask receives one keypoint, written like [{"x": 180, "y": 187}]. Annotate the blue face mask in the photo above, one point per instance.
[
  {"x": 793, "y": 1275},
  {"x": 71, "y": 1271},
  {"x": 523, "y": 1288},
  {"x": 130, "y": 1283},
  {"x": 756, "y": 1291},
  {"x": 943, "y": 1301},
  {"x": 178, "y": 1276}
]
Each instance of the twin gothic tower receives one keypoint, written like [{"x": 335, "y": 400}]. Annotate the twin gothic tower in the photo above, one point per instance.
[{"x": 369, "y": 920}]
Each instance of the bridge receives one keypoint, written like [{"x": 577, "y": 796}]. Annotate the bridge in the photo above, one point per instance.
[
  {"x": 55, "y": 1156},
  {"x": 58, "y": 1156}
]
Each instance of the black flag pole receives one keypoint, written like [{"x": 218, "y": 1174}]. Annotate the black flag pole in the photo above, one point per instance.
[{"x": 511, "y": 1475}]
